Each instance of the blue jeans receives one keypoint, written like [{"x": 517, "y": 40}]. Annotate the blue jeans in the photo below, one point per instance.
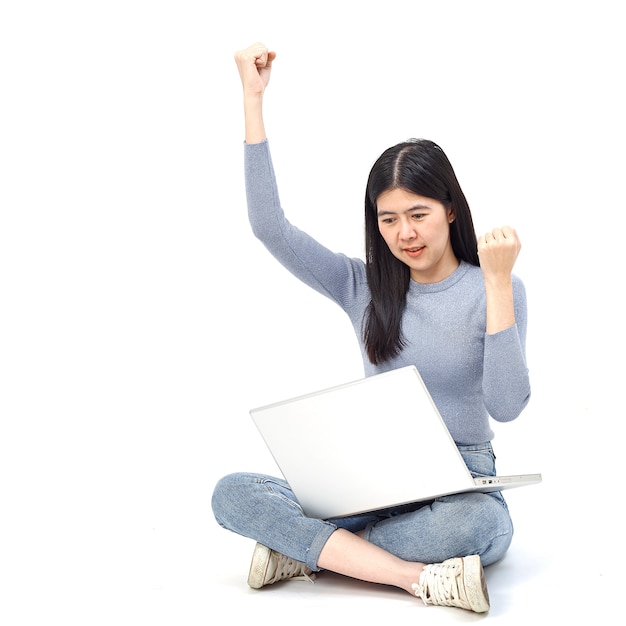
[{"x": 265, "y": 509}]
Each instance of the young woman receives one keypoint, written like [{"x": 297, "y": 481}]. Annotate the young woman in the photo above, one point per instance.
[{"x": 429, "y": 294}]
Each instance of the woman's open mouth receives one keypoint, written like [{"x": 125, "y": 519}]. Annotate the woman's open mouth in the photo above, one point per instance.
[{"x": 415, "y": 251}]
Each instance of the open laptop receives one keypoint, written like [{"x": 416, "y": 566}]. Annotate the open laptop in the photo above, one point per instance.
[{"x": 368, "y": 445}]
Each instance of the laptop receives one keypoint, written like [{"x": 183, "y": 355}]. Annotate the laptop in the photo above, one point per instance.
[{"x": 369, "y": 445}]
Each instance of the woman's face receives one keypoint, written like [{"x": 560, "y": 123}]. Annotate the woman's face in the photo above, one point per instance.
[{"x": 417, "y": 231}]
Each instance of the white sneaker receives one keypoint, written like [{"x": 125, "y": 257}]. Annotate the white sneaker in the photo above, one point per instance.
[
  {"x": 456, "y": 582},
  {"x": 269, "y": 566}
]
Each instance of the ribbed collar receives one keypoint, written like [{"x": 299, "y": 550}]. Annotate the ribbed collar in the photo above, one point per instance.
[{"x": 442, "y": 285}]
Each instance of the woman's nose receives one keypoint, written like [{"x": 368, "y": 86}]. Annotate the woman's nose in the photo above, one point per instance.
[{"x": 407, "y": 230}]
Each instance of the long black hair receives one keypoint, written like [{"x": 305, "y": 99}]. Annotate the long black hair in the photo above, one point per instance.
[{"x": 421, "y": 167}]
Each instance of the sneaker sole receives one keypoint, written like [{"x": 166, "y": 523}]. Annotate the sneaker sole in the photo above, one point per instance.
[
  {"x": 475, "y": 584},
  {"x": 258, "y": 567}
]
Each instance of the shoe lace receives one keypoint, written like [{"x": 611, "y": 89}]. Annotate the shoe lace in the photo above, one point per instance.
[
  {"x": 288, "y": 568},
  {"x": 439, "y": 584}
]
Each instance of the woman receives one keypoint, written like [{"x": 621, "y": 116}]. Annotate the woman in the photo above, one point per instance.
[{"x": 429, "y": 294}]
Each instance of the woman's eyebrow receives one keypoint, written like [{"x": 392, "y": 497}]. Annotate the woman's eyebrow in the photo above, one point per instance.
[{"x": 416, "y": 207}]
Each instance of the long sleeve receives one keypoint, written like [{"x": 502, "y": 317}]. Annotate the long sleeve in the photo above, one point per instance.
[
  {"x": 331, "y": 274},
  {"x": 506, "y": 383}
]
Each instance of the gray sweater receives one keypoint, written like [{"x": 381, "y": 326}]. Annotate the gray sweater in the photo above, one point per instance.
[{"x": 471, "y": 375}]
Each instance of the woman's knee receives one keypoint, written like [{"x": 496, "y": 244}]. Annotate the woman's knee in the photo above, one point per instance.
[
  {"x": 497, "y": 547},
  {"x": 497, "y": 528},
  {"x": 224, "y": 499},
  {"x": 483, "y": 525},
  {"x": 242, "y": 497}
]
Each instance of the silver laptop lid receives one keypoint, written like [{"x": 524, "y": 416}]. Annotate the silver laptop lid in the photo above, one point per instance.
[{"x": 362, "y": 446}]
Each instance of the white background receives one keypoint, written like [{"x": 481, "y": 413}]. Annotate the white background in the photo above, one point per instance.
[{"x": 140, "y": 320}]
